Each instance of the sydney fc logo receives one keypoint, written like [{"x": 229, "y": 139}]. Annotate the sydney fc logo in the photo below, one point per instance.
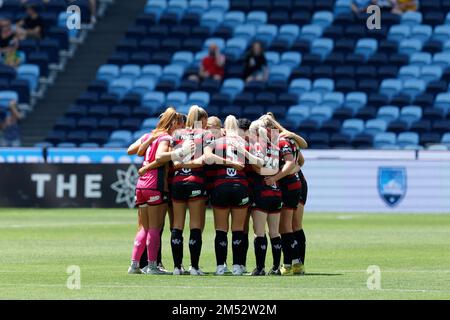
[{"x": 392, "y": 184}]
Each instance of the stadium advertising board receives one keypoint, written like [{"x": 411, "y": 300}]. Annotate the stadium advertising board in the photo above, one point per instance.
[
  {"x": 67, "y": 185},
  {"x": 334, "y": 185}
]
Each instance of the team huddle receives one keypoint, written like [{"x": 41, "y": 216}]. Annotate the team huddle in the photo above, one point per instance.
[{"x": 242, "y": 170}]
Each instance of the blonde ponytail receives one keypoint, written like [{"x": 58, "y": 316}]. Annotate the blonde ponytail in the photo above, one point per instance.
[{"x": 195, "y": 114}]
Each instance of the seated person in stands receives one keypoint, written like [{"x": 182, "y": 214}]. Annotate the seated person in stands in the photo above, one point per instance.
[
  {"x": 212, "y": 66},
  {"x": 402, "y": 6},
  {"x": 8, "y": 44},
  {"x": 256, "y": 64},
  {"x": 360, "y": 6},
  {"x": 10, "y": 127},
  {"x": 32, "y": 25}
]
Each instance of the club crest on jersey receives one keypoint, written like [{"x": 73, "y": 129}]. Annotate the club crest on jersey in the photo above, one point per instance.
[
  {"x": 186, "y": 170},
  {"x": 231, "y": 172},
  {"x": 392, "y": 184}
]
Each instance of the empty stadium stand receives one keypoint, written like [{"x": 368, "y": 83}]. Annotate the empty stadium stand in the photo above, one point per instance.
[{"x": 337, "y": 83}]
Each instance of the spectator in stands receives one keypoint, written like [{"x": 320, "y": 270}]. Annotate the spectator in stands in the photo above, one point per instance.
[
  {"x": 32, "y": 25},
  {"x": 402, "y": 6},
  {"x": 8, "y": 44},
  {"x": 10, "y": 127},
  {"x": 213, "y": 65},
  {"x": 360, "y": 6},
  {"x": 256, "y": 64}
]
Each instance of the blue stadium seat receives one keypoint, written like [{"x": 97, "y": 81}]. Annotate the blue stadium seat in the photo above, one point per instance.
[
  {"x": 333, "y": 99},
  {"x": 322, "y": 18},
  {"x": 311, "y": 98},
  {"x": 143, "y": 85},
  {"x": 200, "y": 98},
  {"x": 272, "y": 57},
  {"x": 266, "y": 33},
  {"x": 176, "y": 98},
  {"x": 407, "y": 138},
  {"x": 154, "y": 101},
  {"x": 355, "y": 100},
  {"x": 232, "y": 86},
  {"x": 375, "y": 126},
  {"x": 6, "y": 97},
  {"x": 257, "y": 17},
  {"x": 131, "y": 71},
  {"x": 442, "y": 101},
  {"x": 311, "y": 32},
  {"x": 212, "y": 19},
  {"x": 366, "y": 47},
  {"x": 279, "y": 72},
  {"x": 420, "y": 59},
  {"x": 300, "y": 86},
  {"x": 398, "y": 33},
  {"x": 120, "y": 86},
  {"x": 441, "y": 33},
  {"x": 219, "y": 5},
  {"x": 289, "y": 32},
  {"x": 172, "y": 72},
  {"x": 151, "y": 70},
  {"x": 409, "y": 72},
  {"x": 384, "y": 139},
  {"x": 342, "y": 7},
  {"x": 438, "y": 147},
  {"x": 30, "y": 73},
  {"x": 246, "y": 31},
  {"x": 197, "y": 6},
  {"x": 183, "y": 58},
  {"x": 322, "y": 47},
  {"x": 411, "y": 18},
  {"x": 410, "y": 46},
  {"x": 155, "y": 7},
  {"x": 298, "y": 112},
  {"x": 391, "y": 87},
  {"x": 321, "y": 113},
  {"x": 291, "y": 59},
  {"x": 446, "y": 138},
  {"x": 233, "y": 18},
  {"x": 352, "y": 127},
  {"x": 388, "y": 113},
  {"x": 323, "y": 85},
  {"x": 431, "y": 73},
  {"x": 411, "y": 114},
  {"x": 149, "y": 123},
  {"x": 235, "y": 47},
  {"x": 421, "y": 32},
  {"x": 413, "y": 87},
  {"x": 442, "y": 59},
  {"x": 108, "y": 72}
]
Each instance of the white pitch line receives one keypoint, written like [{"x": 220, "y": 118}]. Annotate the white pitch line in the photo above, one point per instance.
[{"x": 68, "y": 224}]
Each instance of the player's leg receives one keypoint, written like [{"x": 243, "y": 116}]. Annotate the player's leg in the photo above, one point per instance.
[
  {"x": 260, "y": 242},
  {"x": 143, "y": 261},
  {"x": 273, "y": 221},
  {"x": 221, "y": 225},
  {"x": 139, "y": 241},
  {"x": 155, "y": 216},
  {"x": 299, "y": 234},
  {"x": 238, "y": 216},
  {"x": 246, "y": 235},
  {"x": 287, "y": 240},
  {"x": 197, "y": 210},
  {"x": 176, "y": 239}
]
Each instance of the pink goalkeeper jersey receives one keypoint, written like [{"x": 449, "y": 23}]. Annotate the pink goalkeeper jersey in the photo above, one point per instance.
[{"x": 154, "y": 179}]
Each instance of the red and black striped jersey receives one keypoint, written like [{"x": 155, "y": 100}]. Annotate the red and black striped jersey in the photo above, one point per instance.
[
  {"x": 200, "y": 138},
  {"x": 225, "y": 148},
  {"x": 289, "y": 147},
  {"x": 270, "y": 154}
]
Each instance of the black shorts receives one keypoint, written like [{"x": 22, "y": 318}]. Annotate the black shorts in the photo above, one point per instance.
[
  {"x": 230, "y": 195},
  {"x": 304, "y": 191},
  {"x": 267, "y": 200},
  {"x": 291, "y": 198},
  {"x": 188, "y": 191}
]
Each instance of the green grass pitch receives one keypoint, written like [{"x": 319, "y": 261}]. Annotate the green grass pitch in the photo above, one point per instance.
[{"x": 38, "y": 245}]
